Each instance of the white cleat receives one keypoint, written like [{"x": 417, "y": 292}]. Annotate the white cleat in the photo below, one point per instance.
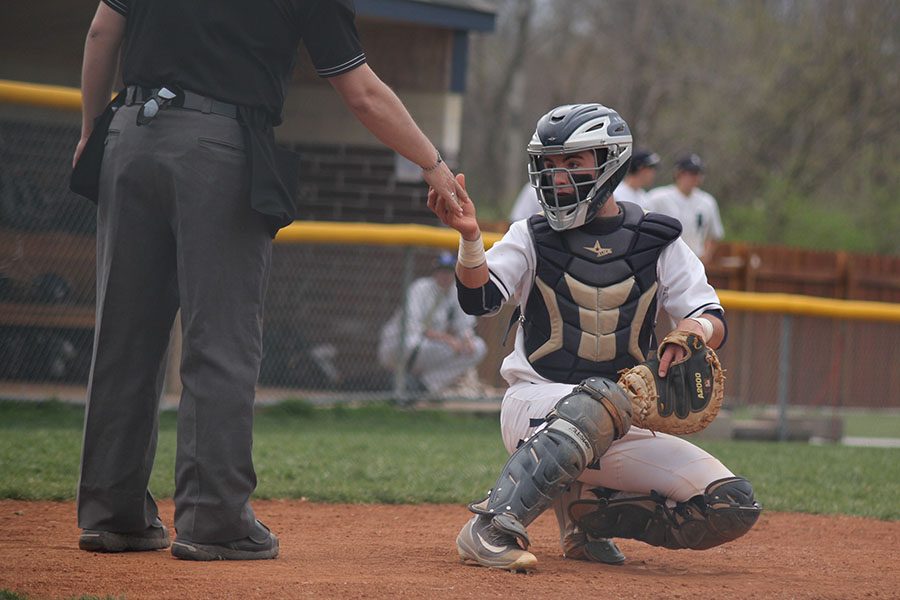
[{"x": 482, "y": 543}]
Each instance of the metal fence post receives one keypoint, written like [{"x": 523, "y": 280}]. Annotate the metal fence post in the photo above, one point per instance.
[
  {"x": 784, "y": 371},
  {"x": 400, "y": 373}
]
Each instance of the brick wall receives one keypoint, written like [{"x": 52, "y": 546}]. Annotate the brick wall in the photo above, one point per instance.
[{"x": 353, "y": 183}]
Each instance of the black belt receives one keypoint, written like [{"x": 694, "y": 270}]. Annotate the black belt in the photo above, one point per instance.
[{"x": 186, "y": 99}]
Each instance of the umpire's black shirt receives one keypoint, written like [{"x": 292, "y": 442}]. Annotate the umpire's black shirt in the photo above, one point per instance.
[{"x": 237, "y": 51}]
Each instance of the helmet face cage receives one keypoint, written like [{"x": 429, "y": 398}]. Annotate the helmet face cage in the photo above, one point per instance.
[{"x": 568, "y": 211}]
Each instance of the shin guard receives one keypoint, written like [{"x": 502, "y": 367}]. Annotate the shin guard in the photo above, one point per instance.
[{"x": 579, "y": 430}]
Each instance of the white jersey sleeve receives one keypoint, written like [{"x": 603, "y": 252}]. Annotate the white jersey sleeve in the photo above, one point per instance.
[
  {"x": 683, "y": 288},
  {"x": 511, "y": 262},
  {"x": 716, "y": 230}
]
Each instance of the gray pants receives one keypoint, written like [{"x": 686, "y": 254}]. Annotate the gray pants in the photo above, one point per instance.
[
  {"x": 438, "y": 366},
  {"x": 175, "y": 229}
]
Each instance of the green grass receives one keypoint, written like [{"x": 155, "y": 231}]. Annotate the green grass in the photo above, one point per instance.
[
  {"x": 857, "y": 423},
  {"x": 868, "y": 424},
  {"x": 379, "y": 454}
]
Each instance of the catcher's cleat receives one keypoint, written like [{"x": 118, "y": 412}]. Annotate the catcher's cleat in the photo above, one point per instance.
[
  {"x": 580, "y": 546},
  {"x": 262, "y": 544},
  {"x": 154, "y": 537},
  {"x": 482, "y": 543},
  {"x": 576, "y": 544}
]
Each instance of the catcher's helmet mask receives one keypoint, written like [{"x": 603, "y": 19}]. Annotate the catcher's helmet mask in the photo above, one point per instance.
[{"x": 571, "y": 129}]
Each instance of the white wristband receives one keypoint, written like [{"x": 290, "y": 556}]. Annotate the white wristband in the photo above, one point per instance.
[
  {"x": 706, "y": 325},
  {"x": 471, "y": 253}
]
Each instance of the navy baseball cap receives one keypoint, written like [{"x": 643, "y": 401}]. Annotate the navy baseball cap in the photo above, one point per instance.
[
  {"x": 691, "y": 163},
  {"x": 643, "y": 158},
  {"x": 444, "y": 260}
]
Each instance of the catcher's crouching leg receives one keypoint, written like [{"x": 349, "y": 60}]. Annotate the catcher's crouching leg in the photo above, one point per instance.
[
  {"x": 577, "y": 544},
  {"x": 579, "y": 430},
  {"x": 726, "y": 511}
]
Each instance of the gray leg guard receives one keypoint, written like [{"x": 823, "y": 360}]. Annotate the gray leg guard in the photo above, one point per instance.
[
  {"x": 579, "y": 430},
  {"x": 725, "y": 512}
]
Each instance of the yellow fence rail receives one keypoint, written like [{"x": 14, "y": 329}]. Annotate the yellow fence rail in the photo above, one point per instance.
[
  {"x": 374, "y": 234},
  {"x": 810, "y": 306},
  {"x": 40, "y": 95},
  {"x": 437, "y": 237},
  {"x": 66, "y": 98}
]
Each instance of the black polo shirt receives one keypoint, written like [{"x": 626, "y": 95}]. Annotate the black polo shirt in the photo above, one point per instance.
[{"x": 237, "y": 51}]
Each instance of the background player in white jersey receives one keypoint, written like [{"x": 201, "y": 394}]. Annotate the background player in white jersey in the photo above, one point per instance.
[
  {"x": 526, "y": 204},
  {"x": 430, "y": 335},
  {"x": 588, "y": 276},
  {"x": 641, "y": 175},
  {"x": 697, "y": 210}
]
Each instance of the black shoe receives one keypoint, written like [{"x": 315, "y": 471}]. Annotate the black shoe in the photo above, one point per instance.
[
  {"x": 154, "y": 537},
  {"x": 581, "y": 546},
  {"x": 259, "y": 545}
]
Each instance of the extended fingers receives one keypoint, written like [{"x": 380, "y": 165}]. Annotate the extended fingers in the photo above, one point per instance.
[
  {"x": 451, "y": 189},
  {"x": 664, "y": 361},
  {"x": 671, "y": 353},
  {"x": 460, "y": 180}
]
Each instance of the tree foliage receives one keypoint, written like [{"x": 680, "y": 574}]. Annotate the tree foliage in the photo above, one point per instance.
[{"x": 793, "y": 104}]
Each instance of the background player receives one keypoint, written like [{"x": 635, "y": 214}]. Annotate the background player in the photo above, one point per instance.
[
  {"x": 698, "y": 212},
  {"x": 587, "y": 275},
  {"x": 438, "y": 344},
  {"x": 640, "y": 176}
]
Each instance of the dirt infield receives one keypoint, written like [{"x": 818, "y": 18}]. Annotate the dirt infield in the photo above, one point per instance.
[{"x": 378, "y": 551}]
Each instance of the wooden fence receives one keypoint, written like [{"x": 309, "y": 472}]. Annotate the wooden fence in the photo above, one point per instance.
[{"x": 756, "y": 268}]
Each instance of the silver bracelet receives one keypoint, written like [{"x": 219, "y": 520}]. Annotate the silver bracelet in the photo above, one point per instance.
[{"x": 437, "y": 163}]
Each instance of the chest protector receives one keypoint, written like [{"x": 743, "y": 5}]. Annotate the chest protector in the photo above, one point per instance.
[{"x": 592, "y": 308}]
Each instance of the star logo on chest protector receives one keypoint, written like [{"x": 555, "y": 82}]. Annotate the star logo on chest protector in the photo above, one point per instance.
[{"x": 599, "y": 250}]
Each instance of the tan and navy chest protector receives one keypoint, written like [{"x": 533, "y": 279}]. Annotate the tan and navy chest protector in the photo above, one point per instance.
[{"x": 593, "y": 304}]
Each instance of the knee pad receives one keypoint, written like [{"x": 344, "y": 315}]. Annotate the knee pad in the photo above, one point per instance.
[
  {"x": 726, "y": 511},
  {"x": 579, "y": 430},
  {"x": 731, "y": 510},
  {"x": 597, "y": 411}
]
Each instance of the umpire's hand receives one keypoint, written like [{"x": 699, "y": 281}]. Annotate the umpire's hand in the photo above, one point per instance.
[{"x": 463, "y": 219}]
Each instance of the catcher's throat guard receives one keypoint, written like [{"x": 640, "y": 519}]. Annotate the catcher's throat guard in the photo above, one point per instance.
[{"x": 687, "y": 399}]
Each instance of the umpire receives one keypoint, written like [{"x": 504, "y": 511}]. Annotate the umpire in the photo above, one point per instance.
[{"x": 190, "y": 189}]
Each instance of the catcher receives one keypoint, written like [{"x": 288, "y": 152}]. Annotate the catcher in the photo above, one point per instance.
[{"x": 589, "y": 276}]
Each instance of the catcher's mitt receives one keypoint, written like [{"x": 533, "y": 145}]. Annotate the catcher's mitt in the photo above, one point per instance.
[{"x": 687, "y": 399}]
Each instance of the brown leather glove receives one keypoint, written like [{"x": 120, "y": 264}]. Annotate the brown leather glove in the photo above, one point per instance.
[{"x": 687, "y": 399}]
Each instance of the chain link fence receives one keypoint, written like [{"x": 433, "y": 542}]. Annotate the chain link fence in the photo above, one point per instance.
[
  {"x": 327, "y": 303},
  {"x": 324, "y": 310},
  {"x": 46, "y": 257}
]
